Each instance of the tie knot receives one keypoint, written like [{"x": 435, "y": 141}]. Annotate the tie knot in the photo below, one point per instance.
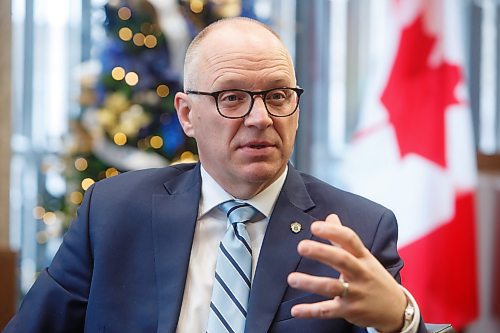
[{"x": 240, "y": 212}]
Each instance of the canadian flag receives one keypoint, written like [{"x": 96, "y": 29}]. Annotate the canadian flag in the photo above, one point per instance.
[{"x": 413, "y": 152}]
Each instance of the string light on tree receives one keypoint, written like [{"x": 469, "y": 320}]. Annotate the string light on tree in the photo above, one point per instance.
[
  {"x": 124, "y": 13},
  {"x": 188, "y": 156},
  {"x": 150, "y": 41},
  {"x": 111, "y": 172},
  {"x": 76, "y": 197},
  {"x": 156, "y": 142},
  {"x": 132, "y": 78},
  {"x": 125, "y": 34},
  {"x": 162, "y": 90},
  {"x": 120, "y": 139},
  {"x": 86, "y": 183},
  {"x": 81, "y": 164},
  {"x": 139, "y": 39},
  {"x": 196, "y": 6},
  {"x": 118, "y": 73}
]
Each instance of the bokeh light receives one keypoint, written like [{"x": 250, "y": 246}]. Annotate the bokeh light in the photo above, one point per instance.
[
  {"x": 81, "y": 164},
  {"x": 118, "y": 73},
  {"x": 120, "y": 139},
  {"x": 76, "y": 197},
  {"x": 162, "y": 90},
  {"x": 124, "y": 13},
  {"x": 156, "y": 142},
  {"x": 86, "y": 183},
  {"x": 196, "y": 6},
  {"x": 132, "y": 78},
  {"x": 125, "y": 34}
]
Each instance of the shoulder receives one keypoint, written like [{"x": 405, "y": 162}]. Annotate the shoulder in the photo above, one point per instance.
[
  {"x": 128, "y": 198},
  {"x": 374, "y": 223},
  {"x": 156, "y": 175},
  {"x": 139, "y": 182},
  {"x": 326, "y": 195}
]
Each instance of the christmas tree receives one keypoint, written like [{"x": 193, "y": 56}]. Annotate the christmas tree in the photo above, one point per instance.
[{"x": 128, "y": 120}]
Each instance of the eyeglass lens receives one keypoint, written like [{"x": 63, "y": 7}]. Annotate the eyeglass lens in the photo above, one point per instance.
[{"x": 279, "y": 102}]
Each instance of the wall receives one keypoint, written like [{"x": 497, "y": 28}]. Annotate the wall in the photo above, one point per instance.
[
  {"x": 7, "y": 257},
  {"x": 5, "y": 118},
  {"x": 488, "y": 238}
]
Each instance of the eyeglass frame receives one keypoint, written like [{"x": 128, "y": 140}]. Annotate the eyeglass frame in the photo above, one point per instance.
[{"x": 263, "y": 93}]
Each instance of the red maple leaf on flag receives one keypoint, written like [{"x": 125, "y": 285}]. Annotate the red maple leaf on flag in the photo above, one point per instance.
[{"x": 417, "y": 95}]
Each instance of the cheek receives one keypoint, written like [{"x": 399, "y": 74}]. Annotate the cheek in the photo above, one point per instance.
[
  {"x": 287, "y": 132},
  {"x": 204, "y": 125},
  {"x": 214, "y": 134}
]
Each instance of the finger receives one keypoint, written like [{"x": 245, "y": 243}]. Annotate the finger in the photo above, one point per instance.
[
  {"x": 333, "y": 219},
  {"x": 324, "y": 286},
  {"x": 332, "y": 230},
  {"x": 332, "y": 256},
  {"x": 325, "y": 309}
]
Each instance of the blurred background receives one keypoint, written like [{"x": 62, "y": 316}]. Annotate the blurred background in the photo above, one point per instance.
[{"x": 401, "y": 105}]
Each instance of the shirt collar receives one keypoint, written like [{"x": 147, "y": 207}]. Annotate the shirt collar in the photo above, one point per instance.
[{"x": 212, "y": 194}]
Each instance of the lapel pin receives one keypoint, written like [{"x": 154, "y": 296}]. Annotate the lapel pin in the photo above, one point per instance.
[{"x": 296, "y": 227}]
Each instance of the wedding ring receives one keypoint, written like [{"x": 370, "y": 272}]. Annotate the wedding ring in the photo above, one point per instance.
[{"x": 345, "y": 286}]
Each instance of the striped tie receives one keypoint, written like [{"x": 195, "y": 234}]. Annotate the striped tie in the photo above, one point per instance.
[{"x": 233, "y": 272}]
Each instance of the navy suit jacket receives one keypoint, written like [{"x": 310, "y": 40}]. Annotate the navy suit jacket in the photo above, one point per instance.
[{"x": 123, "y": 263}]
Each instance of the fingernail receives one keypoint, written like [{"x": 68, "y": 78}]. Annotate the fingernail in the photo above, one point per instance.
[
  {"x": 295, "y": 312},
  {"x": 292, "y": 281}
]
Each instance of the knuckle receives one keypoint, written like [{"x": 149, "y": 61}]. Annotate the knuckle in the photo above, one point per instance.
[
  {"x": 351, "y": 237},
  {"x": 342, "y": 259},
  {"x": 323, "y": 311}
]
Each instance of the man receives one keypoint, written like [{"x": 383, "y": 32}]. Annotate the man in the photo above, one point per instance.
[{"x": 147, "y": 250}]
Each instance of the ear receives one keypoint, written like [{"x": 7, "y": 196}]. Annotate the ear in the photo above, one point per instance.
[{"x": 183, "y": 107}]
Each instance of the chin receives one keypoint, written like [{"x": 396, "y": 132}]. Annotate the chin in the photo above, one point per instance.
[{"x": 261, "y": 172}]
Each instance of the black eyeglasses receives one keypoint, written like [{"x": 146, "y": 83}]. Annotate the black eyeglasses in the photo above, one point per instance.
[{"x": 237, "y": 103}]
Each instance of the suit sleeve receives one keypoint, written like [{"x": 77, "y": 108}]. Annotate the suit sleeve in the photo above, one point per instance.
[
  {"x": 384, "y": 244},
  {"x": 57, "y": 301},
  {"x": 384, "y": 247}
]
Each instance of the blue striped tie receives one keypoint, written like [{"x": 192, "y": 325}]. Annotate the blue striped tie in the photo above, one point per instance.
[{"x": 233, "y": 272}]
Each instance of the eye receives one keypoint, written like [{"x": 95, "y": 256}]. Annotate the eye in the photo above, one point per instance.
[
  {"x": 232, "y": 96},
  {"x": 276, "y": 96}
]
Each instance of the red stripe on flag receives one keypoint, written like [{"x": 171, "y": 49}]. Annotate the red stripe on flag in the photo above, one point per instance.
[{"x": 441, "y": 269}]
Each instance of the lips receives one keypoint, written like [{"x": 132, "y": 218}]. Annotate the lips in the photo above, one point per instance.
[{"x": 257, "y": 145}]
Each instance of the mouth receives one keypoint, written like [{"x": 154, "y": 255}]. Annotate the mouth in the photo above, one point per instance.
[{"x": 257, "y": 145}]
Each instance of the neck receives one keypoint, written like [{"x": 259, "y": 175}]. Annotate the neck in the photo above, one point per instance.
[{"x": 245, "y": 190}]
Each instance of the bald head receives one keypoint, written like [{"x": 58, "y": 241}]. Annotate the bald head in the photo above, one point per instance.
[
  {"x": 195, "y": 51},
  {"x": 243, "y": 154}
]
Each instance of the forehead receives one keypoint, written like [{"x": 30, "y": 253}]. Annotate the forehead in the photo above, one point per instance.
[{"x": 244, "y": 55}]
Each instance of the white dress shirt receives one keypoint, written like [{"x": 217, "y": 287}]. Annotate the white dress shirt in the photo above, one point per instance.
[{"x": 210, "y": 229}]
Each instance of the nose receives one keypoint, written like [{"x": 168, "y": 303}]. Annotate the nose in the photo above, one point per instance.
[{"x": 258, "y": 116}]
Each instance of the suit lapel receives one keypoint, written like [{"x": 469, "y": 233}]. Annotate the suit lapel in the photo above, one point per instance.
[
  {"x": 174, "y": 219},
  {"x": 278, "y": 255}
]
